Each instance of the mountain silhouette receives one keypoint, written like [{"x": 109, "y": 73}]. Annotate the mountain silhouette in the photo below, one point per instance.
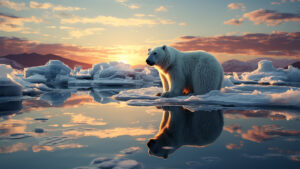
[{"x": 34, "y": 59}]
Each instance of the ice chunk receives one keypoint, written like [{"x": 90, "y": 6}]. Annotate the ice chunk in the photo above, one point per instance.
[
  {"x": 267, "y": 73},
  {"x": 37, "y": 78},
  {"x": 54, "y": 71},
  {"x": 7, "y": 86},
  {"x": 265, "y": 66},
  {"x": 4, "y": 70},
  {"x": 227, "y": 81}
]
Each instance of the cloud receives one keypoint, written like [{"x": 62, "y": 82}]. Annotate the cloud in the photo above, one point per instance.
[
  {"x": 11, "y": 23},
  {"x": 110, "y": 133},
  {"x": 36, "y": 5},
  {"x": 234, "y": 21},
  {"x": 271, "y": 17},
  {"x": 13, "y": 5},
  {"x": 17, "y": 45},
  {"x": 273, "y": 44},
  {"x": 275, "y": 3},
  {"x": 14, "y": 148},
  {"x": 283, "y": 1},
  {"x": 115, "y": 21},
  {"x": 267, "y": 132},
  {"x": 131, "y": 6},
  {"x": 236, "y": 114},
  {"x": 161, "y": 9},
  {"x": 234, "y": 6},
  {"x": 38, "y": 148},
  {"x": 85, "y": 32},
  {"x": 182, "y": 24},
  {"x": 234, "y": 146},
  {"x": 233, "y": 128},
  {"x": 82, "y": 119}
]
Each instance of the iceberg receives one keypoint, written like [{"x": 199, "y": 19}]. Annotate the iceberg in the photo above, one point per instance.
[
  {"x": 267, "y": 74},
  {"x": 8, "y": 88},
  {"x": 55, "y": 72}
]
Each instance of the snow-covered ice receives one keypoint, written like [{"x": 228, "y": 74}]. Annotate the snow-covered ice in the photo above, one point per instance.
[
  {"x": 238, "y": 95},
  {"x": 55, "y": 72},
  {"x": 8, "y": 88},
  {"x": 267, "y": 74}
]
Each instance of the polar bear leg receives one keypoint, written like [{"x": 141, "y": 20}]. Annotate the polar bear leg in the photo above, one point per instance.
[
  {"x": 177, "y": 81},
  {"x": 165, "y": 82}
]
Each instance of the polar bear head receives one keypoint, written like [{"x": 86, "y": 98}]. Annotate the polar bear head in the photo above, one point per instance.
[{"x": 158, "y": 56}]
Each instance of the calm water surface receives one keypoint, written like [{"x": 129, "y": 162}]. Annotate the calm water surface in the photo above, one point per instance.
[{"x": 70, "y": 129}]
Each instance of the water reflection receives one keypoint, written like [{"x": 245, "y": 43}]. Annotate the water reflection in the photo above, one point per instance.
[
  {"x": 56, "y": 98},
  {"x": 103, "y": 95},
  {"x": 10, "y": 107},
  {"x": 182, "y": 127}
]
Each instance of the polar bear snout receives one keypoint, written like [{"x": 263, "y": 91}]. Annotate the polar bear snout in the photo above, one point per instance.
[{"x": 150, "y": 62}]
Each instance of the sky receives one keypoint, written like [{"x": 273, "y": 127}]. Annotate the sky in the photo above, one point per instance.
[{"x": 95, "y": 31}]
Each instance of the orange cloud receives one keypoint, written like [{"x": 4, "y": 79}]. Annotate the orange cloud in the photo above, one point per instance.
[
  {"x": 236, "y": 6},
  {"x": 262, "y": 133},
  {"x": 161, "y": 9},
  {"x": 234, "y": 146},
  {"x": 13, "y": 5},
  {"x": 11, "y": 23},
  {"x": 273, "y": 44},
  {"x": 37, "y": 5},
  {"x": 38, "y": 148},
  {"x": 14, "y": 148},
  {"x": 111, "y": 133},
  {"x": 271, "y": 17},
  {"x": 115, "y": 21},
  {"x": 233, "y": 128},
  {"x": 77, "y": 33},
  {"x": 81, "y": 119}
]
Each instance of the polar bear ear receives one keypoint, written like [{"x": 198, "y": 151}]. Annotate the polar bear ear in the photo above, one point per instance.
[{"x": 164, "y": 47}]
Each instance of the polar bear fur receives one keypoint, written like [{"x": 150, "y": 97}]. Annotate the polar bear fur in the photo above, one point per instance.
[
  {"x": 182, "y": 127},
  {"x": 185, "y": 72}
]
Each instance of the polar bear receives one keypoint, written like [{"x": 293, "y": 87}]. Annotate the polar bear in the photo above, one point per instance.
[
  {"x": 183, "y": 127},
  {"x": 185, "y": 72}
]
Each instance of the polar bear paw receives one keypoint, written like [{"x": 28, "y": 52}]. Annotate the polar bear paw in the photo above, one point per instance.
[
  {"x": 167, "y": 94},
  {"x": 158, "y": 94}
]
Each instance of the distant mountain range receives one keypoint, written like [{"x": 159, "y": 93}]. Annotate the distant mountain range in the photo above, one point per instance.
[
  {"x": 21, "y": 61},
  {"x": 247, "y": 66}
]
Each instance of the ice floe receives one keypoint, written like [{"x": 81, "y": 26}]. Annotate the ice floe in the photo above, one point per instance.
[{"x": 238, "y": 95}]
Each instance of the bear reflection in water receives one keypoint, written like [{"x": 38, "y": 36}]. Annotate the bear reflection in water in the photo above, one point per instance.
[{"x": 182, "y": 127}]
